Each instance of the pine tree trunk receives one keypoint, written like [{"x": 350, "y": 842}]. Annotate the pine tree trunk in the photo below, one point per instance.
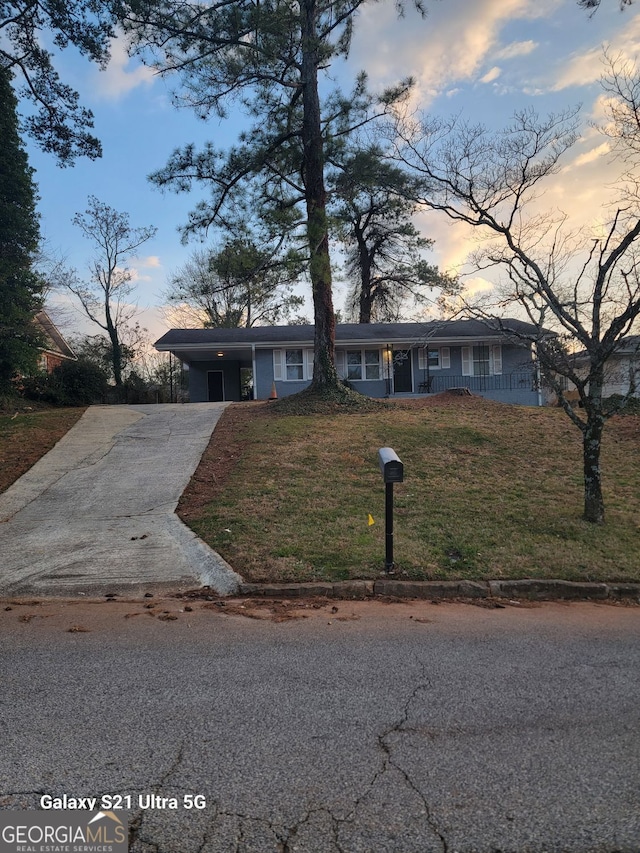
[
  {"x": 324, "y": 370},
  {"x": 366, "y": 289},
  {"x": 365, "y": 307}
]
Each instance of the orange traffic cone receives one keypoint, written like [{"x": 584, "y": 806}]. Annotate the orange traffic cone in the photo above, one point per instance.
[{"x": 274, "y": 393}]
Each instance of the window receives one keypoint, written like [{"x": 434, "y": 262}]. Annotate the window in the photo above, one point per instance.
[
  {"x": 428, "y": 358},
  {"x": 363, "y": 364},
  {"x": 481, "y": 361},
  {"x": 294, "y": 364},
  {"x": 438, "y": 359},
  {"x": 354, "y": 364},
  {"x": 372, "y": 363}
]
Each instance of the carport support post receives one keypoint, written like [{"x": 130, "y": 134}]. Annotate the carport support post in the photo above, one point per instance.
[{"x": 388, "y": 562}]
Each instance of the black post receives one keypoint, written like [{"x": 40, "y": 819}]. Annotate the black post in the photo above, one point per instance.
[
  {"x": 392, "y": 472},
  {"x": 388, "y": 563}
]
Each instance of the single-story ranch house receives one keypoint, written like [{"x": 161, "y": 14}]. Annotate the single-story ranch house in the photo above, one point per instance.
[{"x": 377, "y": 359}]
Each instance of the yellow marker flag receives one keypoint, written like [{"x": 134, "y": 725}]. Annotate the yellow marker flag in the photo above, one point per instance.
[{"x": 371, "y": 520}]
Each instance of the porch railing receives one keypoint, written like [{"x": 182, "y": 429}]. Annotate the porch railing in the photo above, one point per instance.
[{"x": 519, "y": 381}]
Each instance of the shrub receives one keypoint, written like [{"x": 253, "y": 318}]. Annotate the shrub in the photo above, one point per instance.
[{"x": 73, "y": 383}]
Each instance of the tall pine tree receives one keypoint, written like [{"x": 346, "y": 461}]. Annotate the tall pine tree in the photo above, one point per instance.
[{"x": 20, "y": 287}]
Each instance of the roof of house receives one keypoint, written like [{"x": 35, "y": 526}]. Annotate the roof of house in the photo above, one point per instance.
[
  {"x": 630, "y": 345},
  {"x": 380, "y": 333},
  {"x": 54, "y": 341}
]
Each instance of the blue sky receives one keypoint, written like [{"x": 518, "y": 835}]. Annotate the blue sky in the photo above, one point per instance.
[{"x": 482, "y": 59}]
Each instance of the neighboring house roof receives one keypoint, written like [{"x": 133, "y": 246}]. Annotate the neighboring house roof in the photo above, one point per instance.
[
  {"x": 625, "y": 346},
  {"x": 629, "y": 345},
  {"x": 352, "y": 333},
  {"x": 54, "y": 341}
]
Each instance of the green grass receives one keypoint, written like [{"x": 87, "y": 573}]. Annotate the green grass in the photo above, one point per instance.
[{"x": 490, "y": 491}]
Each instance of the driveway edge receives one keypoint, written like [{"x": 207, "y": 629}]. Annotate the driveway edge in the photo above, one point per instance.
[{"x": 532, "y": 590}]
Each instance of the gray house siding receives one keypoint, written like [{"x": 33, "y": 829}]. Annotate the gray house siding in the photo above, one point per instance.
[
  {"x": 264, "y": 384},
  {"x": 199, "y": 380},
  {"x": 370, "y": 387},
  {"x": 264, "y": 380},
  {"x": 515, "y": 384},
  {"x": 501, "y": 370}
]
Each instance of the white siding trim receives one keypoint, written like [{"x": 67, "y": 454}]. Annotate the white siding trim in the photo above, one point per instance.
[
  {"x": 495, "y": 364},
  {"x": 308, "y": 363},
  {"x": 277, "y": 364},
  {"x": 467, "y": 361}
]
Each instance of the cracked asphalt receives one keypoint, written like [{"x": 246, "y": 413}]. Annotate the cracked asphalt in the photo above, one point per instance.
[{"x": 387, "y": 728}]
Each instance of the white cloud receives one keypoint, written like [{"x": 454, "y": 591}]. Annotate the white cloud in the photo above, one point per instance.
[
  {"x": 491, "y": 75},
  {"x": 516, "y": 48},
  {"x": 582, "y": 69},
  {"x": 590, "y": 156},
  {"x": 449, "y": 47},
  {"x": 477, "y": 284},
  {"x": 119, "y": 78},
  {"x": 587, "y": 66},
  {"x": 149, "y": 261}
]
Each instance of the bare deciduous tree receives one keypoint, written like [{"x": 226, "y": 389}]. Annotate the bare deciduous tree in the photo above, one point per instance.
[
  {"x": 584, "y": 288},
  {"x": 105, "y": 294}
]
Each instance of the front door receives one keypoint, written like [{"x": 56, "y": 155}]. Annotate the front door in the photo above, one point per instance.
[
  {"x": 402, "y": 383},
  {"x": 215, "y": 382}
]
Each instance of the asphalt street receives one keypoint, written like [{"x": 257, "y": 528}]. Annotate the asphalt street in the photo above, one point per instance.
[{"x": 390, "y": 728}]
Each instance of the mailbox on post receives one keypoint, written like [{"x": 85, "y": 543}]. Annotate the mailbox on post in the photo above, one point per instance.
[
  {"x": 392, "y": 471},
  {"x": 391, "y": 467}
]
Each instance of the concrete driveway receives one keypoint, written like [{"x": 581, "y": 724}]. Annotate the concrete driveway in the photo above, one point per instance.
[{"x": 96, "y": 514}]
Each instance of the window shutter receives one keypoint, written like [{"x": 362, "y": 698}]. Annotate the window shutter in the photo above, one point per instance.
[
  {"x": 467, "y": 361},
  {"x": 422, "y": 361},
  {"x": 308, "y": 364},
  {"x": 277, "y": 364},
  {"x": 445, "y": 358},
  {"x": 496, "y": 360},
  {"x": 340, "y": 363}
]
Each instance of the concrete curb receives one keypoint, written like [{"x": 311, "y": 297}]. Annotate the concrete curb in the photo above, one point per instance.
[{"x": 532, "y": 590}]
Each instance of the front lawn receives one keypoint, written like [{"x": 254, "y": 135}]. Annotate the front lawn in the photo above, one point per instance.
[
  {"x": 490, "y": 491},
  {"x": 25, "y": 436}
]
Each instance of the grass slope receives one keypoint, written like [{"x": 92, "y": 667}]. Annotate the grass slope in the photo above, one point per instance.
[
  {"x": 26, "y": 436},
  {"x": 490, "y": 491}
]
